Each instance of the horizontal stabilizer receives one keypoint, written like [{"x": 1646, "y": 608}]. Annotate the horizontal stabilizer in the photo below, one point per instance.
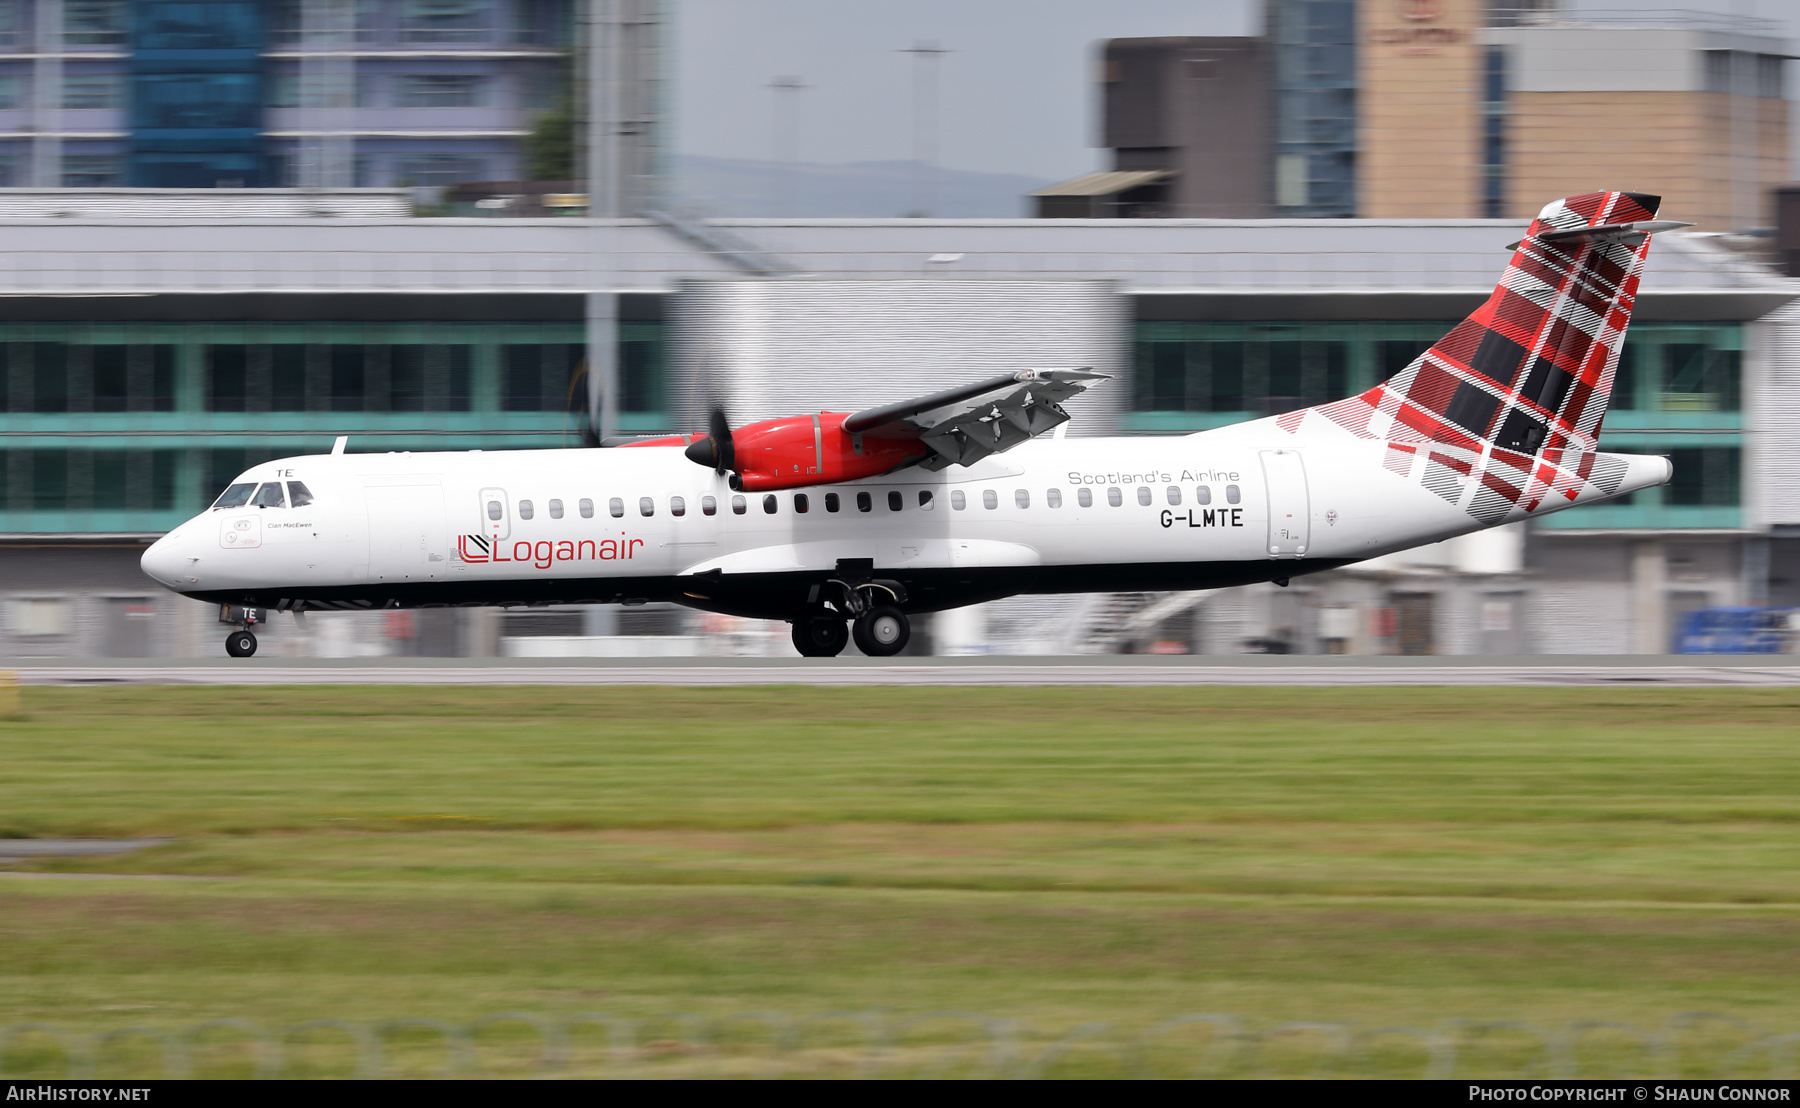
[{"x": 1619, "y": 232}]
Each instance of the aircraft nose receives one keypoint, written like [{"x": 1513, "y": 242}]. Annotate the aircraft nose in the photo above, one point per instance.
[{"x": 163, "y": 561}]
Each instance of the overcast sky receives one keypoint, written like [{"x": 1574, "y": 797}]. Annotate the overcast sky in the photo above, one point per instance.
[{"x": 1016, "y": 95}]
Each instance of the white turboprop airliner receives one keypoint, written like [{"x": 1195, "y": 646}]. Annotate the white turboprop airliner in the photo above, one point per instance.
[{"x": 868, "y": 519}]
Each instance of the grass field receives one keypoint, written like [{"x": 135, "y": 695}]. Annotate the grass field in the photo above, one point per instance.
[{"x": 1054, "y": 856}]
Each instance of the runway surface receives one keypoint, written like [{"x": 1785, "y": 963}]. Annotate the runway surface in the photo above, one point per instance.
[{"x": 1764, "y": 670}]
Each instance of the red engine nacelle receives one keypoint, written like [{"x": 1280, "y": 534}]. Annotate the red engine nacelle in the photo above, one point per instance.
[{"x": 798, "y": 451}]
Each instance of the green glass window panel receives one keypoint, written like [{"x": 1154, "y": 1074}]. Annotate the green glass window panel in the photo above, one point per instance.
[
  {"x": 1337, "y": 370},
  {"x": 50, "y": 377},
  {"x": 1705, "y": 476},
  {"x": 287, "y": 378},
  {"x": 429, "y": 378},
  {"x": 111, "y": 470},
  {"x": 163, "y": 464},
  {"x": 112, "y": 379},
  {"x": 162, "y": 378},
  {"x": 222, "y": 465},
  {"x": 49, "y": 480},
  {"x": 1396, "y": 354},
  {"x": 640, "y": 368},
  {"x": 1700, "y": 377},
  {"x": 1286, "y": 387},
  {"x": 1168, "y": 376},
  {"x": 1226, "y": 361},
  {"x": 227, "y": 378},
  {"x": 348, "y": 378},
  {"x": 540, "y": 377},
  {"x": 1625, "y": 380}
]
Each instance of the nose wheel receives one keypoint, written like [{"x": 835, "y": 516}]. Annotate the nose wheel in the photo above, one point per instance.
[
  {"x": 882, "y": 631},
  {"x": 240, "y": 644}
]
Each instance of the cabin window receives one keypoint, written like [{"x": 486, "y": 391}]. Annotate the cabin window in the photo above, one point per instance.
[
  {"x": 1053, "y": 497},
  {"x": 1021, "y": 498},
  {"x": 1232, "y": 496},
  {"x": 1084, "y": 497},
  {"x": 770, "y": 504},
  {"x": 1203, "y": 494},
  {"x": 556, "y": 509},
  {"x": 236, "y": 496},
  {"x": 801, "y": 503},
  {"x": 864, "y": 502},
  {"x": 957, "y": 500},
  {"x": 831, "y": 501},
  {"x": 709, "y": 506},
  {"x": 616, "y": 507},
  {"x": 737, "y": 505},
  {"x": 896, "y": 501},
  {"x": 586, "y": 507},
  {"x": 925, "y": 500},
  {"x": 299, "y": 495},
  {"x": 990, "y": 499},
  {"x": 270, "y": 496},
  {"x": 646, "y": 506},
  {"x": 524, "y": 509},
  {"x": 494, "y": 510},
  {"x": 677, "y": 506},
  {"x": 1174, "y": 494},
  {"x": 1114, "y": 496},
  {"x": 1144, "y": 495}
]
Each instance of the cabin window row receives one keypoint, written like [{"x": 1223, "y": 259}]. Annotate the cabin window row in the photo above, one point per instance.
[{"x": 863, "y": 501}]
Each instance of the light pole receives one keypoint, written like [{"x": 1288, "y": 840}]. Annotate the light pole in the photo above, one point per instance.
[
  {"x": 784, "y": 154},
  {"x": 925, "y": 74}
]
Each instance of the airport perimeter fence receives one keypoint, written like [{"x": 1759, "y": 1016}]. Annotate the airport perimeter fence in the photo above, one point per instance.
[{"x": 877, "y": 1044}]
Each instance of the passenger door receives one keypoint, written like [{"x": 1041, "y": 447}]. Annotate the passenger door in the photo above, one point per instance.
[{"x": 1290, "y": 509}]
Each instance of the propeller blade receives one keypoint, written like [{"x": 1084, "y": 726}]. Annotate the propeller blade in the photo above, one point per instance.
[
  {"x": 715, "y": 449},
  {"x": 719, "y": 430}
]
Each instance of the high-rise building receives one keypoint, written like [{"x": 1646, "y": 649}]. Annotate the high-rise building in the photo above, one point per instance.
[
  {"x": 320, "y": 93},
  {"x": 1444, "y": 109},
  {"x": 1313, "y": 44},
  {"x": 1188, "y": 121}
]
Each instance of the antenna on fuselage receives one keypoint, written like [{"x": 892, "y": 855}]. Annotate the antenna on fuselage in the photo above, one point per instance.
[{"x": 337, "y": 447}]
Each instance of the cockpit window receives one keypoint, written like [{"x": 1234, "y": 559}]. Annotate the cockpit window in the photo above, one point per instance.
[
  {"x": 270, "y": 496},
  {"x": 299, "y": 495},
  {"x": 236, "y": 496}
]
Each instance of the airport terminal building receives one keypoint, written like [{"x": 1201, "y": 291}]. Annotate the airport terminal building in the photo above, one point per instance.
[{"x": 149, "y": 359}]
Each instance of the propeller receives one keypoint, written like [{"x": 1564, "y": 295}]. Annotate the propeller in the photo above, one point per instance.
[{"x": 716, "y": 449}]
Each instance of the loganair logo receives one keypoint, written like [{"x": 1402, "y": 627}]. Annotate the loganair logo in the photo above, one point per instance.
[{"x": 544, "y": 553}]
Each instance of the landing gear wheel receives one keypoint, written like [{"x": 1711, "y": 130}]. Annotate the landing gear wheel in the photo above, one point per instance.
[
  {"x": 820, "y": 636},
  {"x": 881, "y": 632},
  {"x": 240, "y": 644}
]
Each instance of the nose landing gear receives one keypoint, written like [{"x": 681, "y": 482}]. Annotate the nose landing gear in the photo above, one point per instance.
[{"x": 241, "y": 643}]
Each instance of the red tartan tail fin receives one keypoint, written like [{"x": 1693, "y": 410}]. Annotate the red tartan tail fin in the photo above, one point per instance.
[{"x": 1532, "y": 368}]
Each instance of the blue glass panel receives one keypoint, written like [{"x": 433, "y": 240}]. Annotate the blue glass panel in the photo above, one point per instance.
[
  {"x": 188, "y": 101},
  {"x": 198, "y": 25}
]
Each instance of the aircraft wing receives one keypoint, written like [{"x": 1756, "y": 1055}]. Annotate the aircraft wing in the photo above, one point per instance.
[{"x": 966, "y": 424}]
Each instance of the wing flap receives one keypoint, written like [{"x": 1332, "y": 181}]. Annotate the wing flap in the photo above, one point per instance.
[{"x": 963, "y": 426}]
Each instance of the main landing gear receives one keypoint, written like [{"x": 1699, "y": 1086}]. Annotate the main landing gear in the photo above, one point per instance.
[
  {"x": 820, "y": 636},
  {"x": 880, "y": 632},
  {"x": 880, "y": 628}
]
